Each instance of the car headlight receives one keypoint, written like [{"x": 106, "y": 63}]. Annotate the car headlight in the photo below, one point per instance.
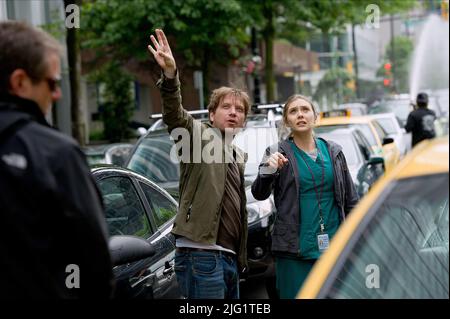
[{"x": 260, "y": 210}]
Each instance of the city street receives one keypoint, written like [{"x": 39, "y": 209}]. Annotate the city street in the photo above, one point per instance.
[{"x": 154, "y": 149}]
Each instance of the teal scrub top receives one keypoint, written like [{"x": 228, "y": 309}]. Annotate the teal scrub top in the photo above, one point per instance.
[{"x": 308, "y": 199}]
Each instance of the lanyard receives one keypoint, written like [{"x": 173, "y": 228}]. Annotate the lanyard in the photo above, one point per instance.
[{"x": 318, "y": 195}]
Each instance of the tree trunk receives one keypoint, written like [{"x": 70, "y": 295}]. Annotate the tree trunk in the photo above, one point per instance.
[
  {"x": 269, "y": 35},
  {"x": 74, "y": 61}
]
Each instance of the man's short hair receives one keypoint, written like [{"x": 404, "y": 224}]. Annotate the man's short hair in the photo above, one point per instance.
[
  {"x": 219, "y": 94},
  {"x": 24, "y": 47},
  {"x": 422, "y": 99}
]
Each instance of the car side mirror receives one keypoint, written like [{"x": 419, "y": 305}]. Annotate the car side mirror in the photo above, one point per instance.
[
  {"x": 388, "y": 140},
  {"x": 141, "y": 131},
  {"x": 375, "y": 160},
  {"x": 126, "y": 249}
]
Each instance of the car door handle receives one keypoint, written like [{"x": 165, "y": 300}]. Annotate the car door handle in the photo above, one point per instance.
[{"x": 168, "y": 269}]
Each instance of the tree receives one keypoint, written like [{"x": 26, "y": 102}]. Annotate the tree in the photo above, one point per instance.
[
  {"x": 296, "y": 19},
  {"x": 200, "y": 31},
  {"x": 116, "y": 108},
  {"x": 269, "y": 17}
]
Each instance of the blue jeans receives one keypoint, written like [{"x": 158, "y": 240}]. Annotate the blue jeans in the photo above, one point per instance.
[{"x": 207, "y": 275}]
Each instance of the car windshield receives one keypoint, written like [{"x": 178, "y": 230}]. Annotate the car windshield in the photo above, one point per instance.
[
  {"x": 401, "y": 108},
  {"x": 348, "y": 146},
  {"x": 388, "y": 125},
  {"x": 152, "y": 159},
  {"x": 404, "y": 250},
  {"x": 364, "y": 128}
]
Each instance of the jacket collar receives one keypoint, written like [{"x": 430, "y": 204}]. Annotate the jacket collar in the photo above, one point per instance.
[
  {"x": 242, "y": 156},
  {"x": 26, "y": 106},
  {"x": 332, "y": 146}
]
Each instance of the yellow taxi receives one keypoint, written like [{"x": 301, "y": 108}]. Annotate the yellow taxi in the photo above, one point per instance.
[
  {"x": 395, "y": 243},
  {"x": 381, "y": 143}
]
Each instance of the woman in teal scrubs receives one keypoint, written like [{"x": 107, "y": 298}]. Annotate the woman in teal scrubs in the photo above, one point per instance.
[{"x": 313, "y": 193}]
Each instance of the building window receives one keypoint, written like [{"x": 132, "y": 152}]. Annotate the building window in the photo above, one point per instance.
[{"x": 10, "y": 10}]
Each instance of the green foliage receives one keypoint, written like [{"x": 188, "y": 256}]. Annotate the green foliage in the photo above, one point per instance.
[
  {"x": 163, "y": 215},
  {"x": 121, "y": 29},
  {"x": 117, "y": 107},
  {"x": 96, "y": 136},
  {"x": 354, "y": 11},
  {"x": 296, "y": 20},
  {"x": 57, "y": 27}
]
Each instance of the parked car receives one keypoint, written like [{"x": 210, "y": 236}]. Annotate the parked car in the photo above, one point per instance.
[
  {"x": 381, "y": 143},
  {"x": 116, "y": 153},
  {"x": 392, "y": 125},
  {"x": 137, "y": 208},
  {"x": 395, "y": 243},
  {"x": 151, "y": 157},
  {"x": 364, "y": 165}
]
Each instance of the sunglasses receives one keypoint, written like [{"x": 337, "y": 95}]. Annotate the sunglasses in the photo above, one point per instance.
[{"x": 53, "y": 83}]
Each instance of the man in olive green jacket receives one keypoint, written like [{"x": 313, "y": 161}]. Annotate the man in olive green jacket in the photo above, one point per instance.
[{"x": 211, "y": 224}]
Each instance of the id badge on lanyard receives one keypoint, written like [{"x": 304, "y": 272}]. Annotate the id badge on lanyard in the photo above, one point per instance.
[{"x": 323, "y": 241}]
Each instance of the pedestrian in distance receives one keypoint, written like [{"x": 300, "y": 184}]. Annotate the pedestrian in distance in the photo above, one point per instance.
[
  {"x": 421, "y": 120},
  {"x": 313, "y": 193},
  {"x": 211, "y": 224},
  {"x": 53, "y": 242}
]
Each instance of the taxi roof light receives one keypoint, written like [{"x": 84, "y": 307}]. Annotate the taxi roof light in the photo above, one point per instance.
[{"x": 336, "y": 113}]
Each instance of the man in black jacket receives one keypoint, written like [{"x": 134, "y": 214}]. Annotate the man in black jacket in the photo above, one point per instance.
[
  {"x": 421, "y": 121},
  {"x": 53, "y": 241}
]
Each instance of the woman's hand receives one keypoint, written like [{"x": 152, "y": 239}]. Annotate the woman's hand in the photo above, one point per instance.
[
  {"x": 276, "y": 161},
  {"x": 162, "y": 54}
]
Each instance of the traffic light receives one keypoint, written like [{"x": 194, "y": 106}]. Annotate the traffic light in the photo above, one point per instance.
[{"x": 387, "y": 81}]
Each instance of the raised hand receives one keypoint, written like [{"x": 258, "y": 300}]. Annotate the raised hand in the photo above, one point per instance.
[
  {"x": 163, "y": 54},
  {"x": 276, "y": 161}
]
